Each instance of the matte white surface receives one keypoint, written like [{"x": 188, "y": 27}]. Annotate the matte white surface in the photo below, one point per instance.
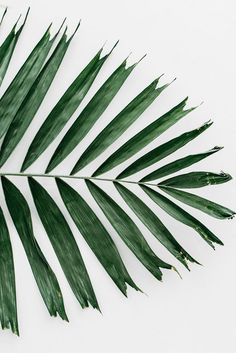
[{"x": 195, "y": 42}]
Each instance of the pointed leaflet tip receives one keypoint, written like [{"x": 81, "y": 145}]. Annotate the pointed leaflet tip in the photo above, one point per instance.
[
  {"x": 167, "y": 84},
  {"x": 58, "y": 31},
  {"x": 17, "y": 21},
  {"x": 3, "y": 15},
  {"x": 136, "y": 63},
  {"x": 22, "y": 26},
  {"x": 109, "y": 53},
  {"x": 114, "y": 46},
  {"x": 175, "y": 269},
  {"x": 144, "y": 56},
  {"x": 174, "y": 79},
  {"x": 26, "y": 16},
  {"x": 208, "y": 123},
  {"x": 76, "y": 29},
  {"x": 48, "y": 31}
]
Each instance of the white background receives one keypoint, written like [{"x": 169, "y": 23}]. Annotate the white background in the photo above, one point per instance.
[{"x": 195, "y": 42}]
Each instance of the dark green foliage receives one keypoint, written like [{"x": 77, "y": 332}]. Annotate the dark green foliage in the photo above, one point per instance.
[
  {"x": 64, "y": 245},
  {"x": 18, "y": 107},
  {"x": 8, "y": 309},
  {"x": 44, "y": 276}
]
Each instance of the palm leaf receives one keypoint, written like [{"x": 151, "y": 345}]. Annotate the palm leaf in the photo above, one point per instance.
[
  {"x": 209, "y": 207},
  {"x": 153, "y": 223},
  {"x": 64, "y": 245},
  {"x": 64, "y": 109},
  {"x": 120, "y": 123},
  {"x": 91, "y": 113},
  {"x": 96, "y": 236},
  {"x": 8, "y": 307},
  {"x": 128, "y": 231},
  {"x": 160, "y": 152},
  {"x": 141, "y": 139},
  {"x": 8, "y": 46},
  {"x": 32, "y": 101},
  {"x": 44, "y": 276},
  {"x": 179, "y": 164},
  {"x": 20, "y": 85},
  {"x": 196, "y": 180},
  {"x": 181, "y": 215},
  {"x": 19, "y": 105}
]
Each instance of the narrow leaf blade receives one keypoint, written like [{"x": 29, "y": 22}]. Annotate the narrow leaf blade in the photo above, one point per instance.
[
  {"x": 90, "y": 114},
  {"x": 8, "y": 46},
  {"x": 120, "y": 123},
  {"x": 20, "y": 86},
  {"x": 179, "y": 164},
  {"x": 44, "y": 276},
  {"x": 32, "y": 101},
  {"x": 3, "y": 15},
  {"x": 128, "y": 231},
  {"x": 8, "y": 306},
  {"x": 163, "y": 151},
  {"x": 64, "y": 109},
  {"x": 141, "y": 139},
  {"x": 64, "y": 245},
  {"x": 182, "y": 216},
  {"x": 196, "y": 180},
  {"x": 96, "y": 236},
  {"x": 209, "y": 207},
  {"x": 154, "y": 224}
]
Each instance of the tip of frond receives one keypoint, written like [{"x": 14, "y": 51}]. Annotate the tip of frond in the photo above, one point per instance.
[
  {"x": 167, "y": 84},
  {"x": 232, "y": 215},
  {"x": 217, "y": 148},
  {"x": 114, "y": 46},
  {"x": 141, "y": 59},
  {"x": 75, "y": 31},
  {"x": 208, "y": 123},
  {"x": 175, "y": 269},
  {"x": 174, "y": 79},
  {"x": 226, "y": 176},
  {"x": 110, "y": 51},
  {"x": 49, "y": 29},
  {"x": 4, "y": 13},
  {"x": 26, "y": 15},
  {"x": 25, "y": 19},
  {"x": 135, "y": 64},
  {"x": 59, "y": 29},
  {"x": 17, "y": 21}
]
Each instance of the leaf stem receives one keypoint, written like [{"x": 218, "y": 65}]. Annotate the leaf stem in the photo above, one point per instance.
[{"x": 75, "y": 177}]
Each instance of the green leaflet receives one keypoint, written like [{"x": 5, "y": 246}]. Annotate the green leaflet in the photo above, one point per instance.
[
  {"x": 179, "y": 164},
  {"x": 153, "y": 223},
  {"x": 44, "y": 276},
  {"x": 64, "y": 245},
  {"x": 90, "y": 114},
  {"x": 64, "y": 109},
  {"x": 128, "y": 231},
  {"x": 196, "y": 180},
  {"x": 96, "y": 236},
  {"x": 163, "y": 151},
  {"x": 211, "y": 208},
  {"x": 21, "y": 84},
  {"x": 141, "y": 139},
  {"x": 8, "y": 307},
  {"x": 182, "y": 216},
  {"x": 8, "y": 46},
  {"x": 120, "y": 124},
  {"x": 3, "y": 15},
  {"x": 33, "y": 100}
]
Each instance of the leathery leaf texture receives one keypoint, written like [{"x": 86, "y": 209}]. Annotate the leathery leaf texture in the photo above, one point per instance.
[{"x": 102, "y": 210}]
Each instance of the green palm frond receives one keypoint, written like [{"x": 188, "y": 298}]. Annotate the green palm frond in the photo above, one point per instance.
[{"x": 19, "y": 104}]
